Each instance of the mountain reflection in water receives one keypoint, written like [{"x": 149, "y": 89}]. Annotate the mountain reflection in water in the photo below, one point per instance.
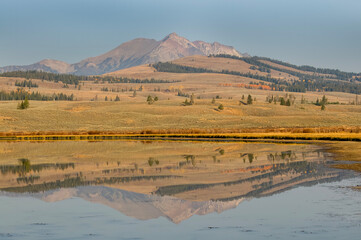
[{"x": 160, "y": 179}]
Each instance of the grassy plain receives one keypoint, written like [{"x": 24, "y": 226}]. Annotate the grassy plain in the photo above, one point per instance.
[{"x": 165, "y": 114}]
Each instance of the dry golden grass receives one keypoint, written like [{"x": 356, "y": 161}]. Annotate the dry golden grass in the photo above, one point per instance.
[
  {"x": 88, "y": 90},
  {"x": 147, "y": 72},
  {"x": 137, "y": 115},
  {"x": 289, "y": 68}
]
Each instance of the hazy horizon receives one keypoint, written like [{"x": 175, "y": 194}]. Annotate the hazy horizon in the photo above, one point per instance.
[{"x": 321, "y": 33}]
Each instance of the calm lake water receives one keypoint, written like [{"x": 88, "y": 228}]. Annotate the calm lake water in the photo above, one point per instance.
[{"x": 174, "y": 190}]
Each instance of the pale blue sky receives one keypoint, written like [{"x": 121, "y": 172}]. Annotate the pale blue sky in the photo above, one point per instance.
[{"x": 322, "y": 33}]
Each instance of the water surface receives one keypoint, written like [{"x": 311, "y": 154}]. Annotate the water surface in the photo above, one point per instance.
[{"x": 179, "y": 190}]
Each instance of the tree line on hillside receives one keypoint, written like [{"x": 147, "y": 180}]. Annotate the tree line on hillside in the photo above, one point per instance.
[
  {"x": 307, "y": 82},
  {"x": 75, "y": 79},
  {"x": 341, "y": 75},
  {"x": 255, "y": 61},
  {"x": 26, "y": 83},
  {"x": 171, "y": 67},
  {"x": 276, "y": 84},
  {"x": 110, "y": 79},
  {"x": 53, "y": 77},
  {"x": 20, "y": 94}
]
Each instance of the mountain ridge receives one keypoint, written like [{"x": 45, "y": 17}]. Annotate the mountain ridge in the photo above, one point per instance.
[{"x": 129, "y": 54}]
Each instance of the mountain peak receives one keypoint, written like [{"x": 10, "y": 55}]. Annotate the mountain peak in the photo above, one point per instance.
[
  {"x": 172, "y": 36},
  {"x": 132, "y": 53}
]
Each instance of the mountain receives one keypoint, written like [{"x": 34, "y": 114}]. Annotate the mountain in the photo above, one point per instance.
[
  {"x": 133, "y": 53},
  {"x": 136, "y": 205},
  {"x": 46, "y": 65}
]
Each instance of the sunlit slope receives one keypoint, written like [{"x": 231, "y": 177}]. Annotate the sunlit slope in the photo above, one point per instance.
[
  {"x": 211, "y": 63},
  {"x": 148, "y": 72}
]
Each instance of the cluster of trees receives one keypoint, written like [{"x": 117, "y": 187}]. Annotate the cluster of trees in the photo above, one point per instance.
[
  {"x": 322, "y": 102},
  {"x": 190, "y": 102},
  {"x": 286, "y": 100},
  {"x": 249, "y": 100},
  {"x": 151, "y": 100},
  {"x": 24, "y": 104},
  {"x": 182, "y": 94},
  {"x": 116, "y": 99},
  {"x": 20, "y": 94},
  {"x": 171, "y": 67},
  {"x": 152, "y": 161},
  {"x": 131, "y": 89},
  {"x": 26, "y": 83},
  {"x": 261, "y": 69}
]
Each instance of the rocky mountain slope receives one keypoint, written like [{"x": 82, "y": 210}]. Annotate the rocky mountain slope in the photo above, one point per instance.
[{"x": 133, "y": 53}]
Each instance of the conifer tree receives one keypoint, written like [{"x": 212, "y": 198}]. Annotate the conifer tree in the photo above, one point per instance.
[
  {"x": 26, "y": 102},
  {"x": 150, "y": 100},
  {"x": 191, "y": 102},
  {"x": 249, "y": 99},
  {"x": 282, "y": 101},
  {"x": 288, "y": 102}
]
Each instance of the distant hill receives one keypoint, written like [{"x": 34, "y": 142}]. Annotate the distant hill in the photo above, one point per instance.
[
  {"x": 247, "y": 72},
  {"x": 133, "y": 53},
  {"x": 46, "y": 65}
]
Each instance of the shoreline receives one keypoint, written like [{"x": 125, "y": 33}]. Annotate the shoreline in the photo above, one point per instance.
[
  {"x": 344, "y": 145},
  {"x": 104, "y": 136}
]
